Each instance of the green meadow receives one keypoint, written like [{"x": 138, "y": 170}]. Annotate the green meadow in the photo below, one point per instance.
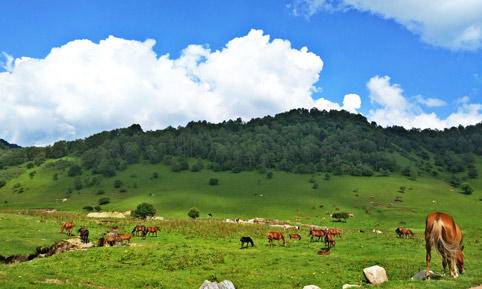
[{"x": 187, "y": 252}]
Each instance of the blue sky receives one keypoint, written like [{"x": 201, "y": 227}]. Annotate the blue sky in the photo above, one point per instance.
[{"x": 365, "y": 50}]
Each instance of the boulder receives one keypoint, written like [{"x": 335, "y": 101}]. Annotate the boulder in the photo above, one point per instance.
[
  {"x": 226, "y": 284},
  {"x": 311, "y": 287},
  {"x": 375, "y": 274}
]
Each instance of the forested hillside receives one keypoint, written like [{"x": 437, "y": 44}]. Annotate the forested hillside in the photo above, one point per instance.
[{"x": 300, "y": 141}]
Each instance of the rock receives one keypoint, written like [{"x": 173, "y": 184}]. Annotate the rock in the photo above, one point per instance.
[
  {"x": 311, "y": 287},
  {"x": 375, "y": 274},
  {"x": 478, "y": 287},
  {"x": 226, "y": 284},
  {"x": 421, "y": 275},
  {"x": 209, "y": 285},
  {"x": 346, "y": 286},
  {"x": 117, "y": 215}
]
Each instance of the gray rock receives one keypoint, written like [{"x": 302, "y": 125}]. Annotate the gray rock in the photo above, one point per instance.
[
  {"x": 422, "y": 276},
  {"x": 311, "y": 287},
  {"x": 375, "y": 274},
  {"x": 226, "y": 284}
]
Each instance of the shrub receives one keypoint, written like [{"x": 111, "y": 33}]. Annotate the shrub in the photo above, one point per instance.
[
  {"x": 78, "y": 184},
  {"x": 193, "y": 213},
  {"x": 97, "y": 208},
  {"x": 466, "y": 189},
  {"x": 123, "y": 190},
  {"x": 402, "y": 189},
  {"x": 2, "y": 183},
  {"x": 117, "y": 184},
  {"x": 55, "y": 177},
  {"x": 100, "y": 192},
  {"x": 269, "y": 174},
  {"x": 315, "y": 185},
  {"x": 88, "y": 208},
  {"x": 103, "y": 201},
  {"x": 472, "y": 173},
  {"x": 213, "y": 182},
  {"x": 196, "y": 167},
  {"x": 339, "y": 216},
  {"x": 327, "y": 177},
  {"x": 30, "y": 165},
  {"x": 155, "y": 175},
  {"x": 74, "y": 170},
  {"x": 144, "y": 210}
]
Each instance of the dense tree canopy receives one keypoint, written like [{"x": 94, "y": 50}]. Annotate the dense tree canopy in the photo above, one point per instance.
[{"x": 300, "y": 141}]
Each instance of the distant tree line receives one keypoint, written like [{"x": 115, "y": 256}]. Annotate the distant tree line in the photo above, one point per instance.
[{"x": 299, "y": 141}]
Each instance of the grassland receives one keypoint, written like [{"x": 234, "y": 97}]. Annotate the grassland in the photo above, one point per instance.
[{"x": 188, "y": 252}]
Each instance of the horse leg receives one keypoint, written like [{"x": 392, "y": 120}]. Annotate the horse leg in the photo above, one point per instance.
[{"x": 428, "y": 257}]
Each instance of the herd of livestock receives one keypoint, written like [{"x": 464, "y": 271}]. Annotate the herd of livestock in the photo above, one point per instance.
[{"x": 441, "y": 233}]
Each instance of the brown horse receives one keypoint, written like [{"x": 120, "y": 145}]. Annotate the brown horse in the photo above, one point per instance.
[
  {"x": 275, "y": 236},
  {"x": 335, "y": 232},
  {"x": 68, "y": 227},
  {"x": 316, "y": 233},
  {"x": 329, "y": 241},
  {"x": 138, "y": 230},
  {"x": 442, "y": 233},
  {"x": 295, "y": 236},
  {"x": 124, "y": 238},
  {"x": 404, "y": 232},
  {"x": 152, "y": 231}
]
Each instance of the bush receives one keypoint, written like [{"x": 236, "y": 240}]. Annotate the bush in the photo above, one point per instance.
[
  {"x": 196, "y": 167},
  {"x": 315, "y": 185},
  {"x": 213, "y": 182},
  {"x": 88, "y": 208},
  {"x": 269, "y": 175},
  {"x": 155, "y": 175},
  {"x": 78, "y": 184},
  {"x": 193, "y": 213},
  {"x": 472, "y": 173},
  {"x": 55, "y": 177},
  {"x": 327, "y": 177},
  {"x": 103, "y": 201},
  {"x": 100, "y": 192},
  {"x": 2, "y": 183},
  {"x": 97, "y": 208},
  {"x": 339, "y": 216},
  {"x": 74, "y": 170},
  {"x": 466, "y": 189},
  {"x": 144, "y": 210},
  {"x": 117, "y": 184}
]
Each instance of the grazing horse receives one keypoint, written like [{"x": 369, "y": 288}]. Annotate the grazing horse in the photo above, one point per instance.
[
  {"x": 329, "y": 240},
  {"x": 403, "y": 232},
  {"x": 335, "y": 232},
  {"x": 123, "y": 238},
  {"x": 247, "y": 241},
  {"x": 110, "y": 239},
  {"x": 316, "y": 233},
  {"x": 138, "y": 229},
  {"x": 295, "y": 236},
  {"x": 442, "y": 233},
  {"x": 275, "y": 236},
  {"x": 152, "y": 231},
  {"x": 84, "y": 234},
  {"x": 68, "y": 227}
]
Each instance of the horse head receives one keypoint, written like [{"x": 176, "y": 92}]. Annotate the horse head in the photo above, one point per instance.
[{"x": 459, "y": 259}]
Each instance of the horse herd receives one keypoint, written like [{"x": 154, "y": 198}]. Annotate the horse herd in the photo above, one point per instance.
[
  {"x": 441, "y": 233},
  {"x": 112, "y": 237}
]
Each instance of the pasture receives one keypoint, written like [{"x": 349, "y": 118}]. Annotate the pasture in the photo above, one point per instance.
[{"x": 186, "y": 252}]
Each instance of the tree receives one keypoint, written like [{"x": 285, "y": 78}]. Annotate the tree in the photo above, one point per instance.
[
  {"x": 213, "y": 181},
  {"x": 78, "y": 184},
  {"x": 197, "y": 166},
  {"x": 338, "y": 216},
  {"x": 117, "y": 184},
  {"x": 193, "y": 213},
  {"x": 74, "y": 170},
  {"x": 103, "y": 201},
  {"x": 472, "y": 173},
  {"x": 269, "y": 174},
  {"x": 466, "y": 189},
  {"x": 327, "y": 177},
  {"x": 144, "y": 210}
]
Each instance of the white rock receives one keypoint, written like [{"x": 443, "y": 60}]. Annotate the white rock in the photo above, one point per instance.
[
  {"x": 375, "y": 274},
  {"x": 209, "y": 285},
  {"x": 226, "y": 284},
  {"x": 347, "y": 286},
  {"x": 311, "y": 287}
]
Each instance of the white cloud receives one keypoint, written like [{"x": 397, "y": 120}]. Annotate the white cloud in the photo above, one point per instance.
[
  {"x": 351, "y": 102},
  {"x": 430, "y": 101},
  {"x": 83, "y": 87},
  {"x": 451, "y": 24},
  {"x": 395, "y": 109}
]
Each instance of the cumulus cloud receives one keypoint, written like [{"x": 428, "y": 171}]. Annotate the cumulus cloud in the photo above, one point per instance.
[
  {"x": 395, "y": 109},
  {"x": 451, "y": 24},
  {"x": 430, "y": 101},
  {"x": 83, "y": 87}
]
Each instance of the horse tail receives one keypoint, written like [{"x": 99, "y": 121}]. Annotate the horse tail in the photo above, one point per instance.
[{"x": 444, "y": 247}]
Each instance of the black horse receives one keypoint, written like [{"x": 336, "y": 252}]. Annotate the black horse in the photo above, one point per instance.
[
  {"x": 84, "y": 235},
  {"x": 247, "y": 241}
]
